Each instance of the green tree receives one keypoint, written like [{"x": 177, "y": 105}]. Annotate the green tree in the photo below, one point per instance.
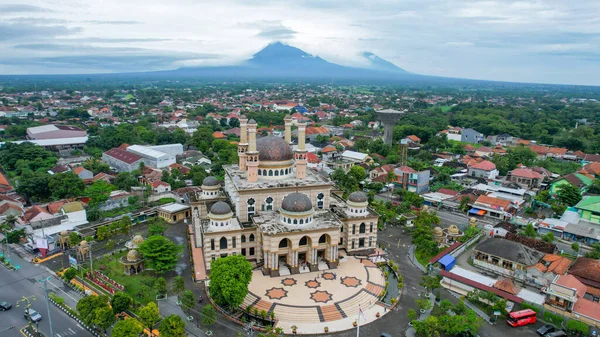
[
  {"x": 424, "y": 304},
  {"x": 464, "y": 204},
  {"x": 412, "y": 314},
  {"x": 156, "y": 228},
  {"x": 149, "y": 315},
  {"x": 178, "y": 285},
  {"x": 229, "y": 280},
  {"x": 34, "y": 185},
  {"x": 160, "y": 285},
  {"x": 126, "y": 180},
  {"x": 445, "y": 305},
  {"x": 104, "y": 317},
  {"x": 120, "y": 302},
  {"x": 202, "y": 138},
  {"x": 70, "y": 273},
  {"x": 188, "y": 301},
  {"x": 575, "y": 247},
  {"x": 577, "y": 327},
  {"x": 127, "y": 328},
  {"x": 529, "y": 231},
  {"x": 430, "y": 282},
  {"x": 467, "y": 323},
  {"x": 197, "y": 174},
  {"x": 102, "y": 233},
  {"x": 86, "y": 307},
  {"x": 66, "y": 185},
  {"x": 358, "y": 172},
  {"x": 172, "y": 326},
  {"x": 568, "y": 194},
  {"x": 209, "y": 315},
  {"x": 160, "y": 253},
  {"x": 429, "y": 327},
  {"x": 98, "y": 192},
  {"x": 549, "y": 237}
]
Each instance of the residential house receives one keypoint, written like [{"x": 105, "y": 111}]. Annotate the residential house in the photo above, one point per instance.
[
  {"x": 412, "y": 139},
  {"x": 83, "y": 173},
  {"x": 557, "y": 152},
  {"x": 10, "y": 206},
  {"x": 484, "y": 151},
  {"x": 184, "y": 170},
  {"x": 160, "y": 187},
  {"x": 581, "y": 181},
  {"x": 503, "y": 139},
  {"x": 5, "y": 186},
  {"x": 526, "y": 178},
  {"x": 505, "y": 257},
  {"x": 544, "y": 272},
  {"x": 566, "y": 296},
  {"x": 75, "y": 213},
  {"x": 589, "y": 208},
  {"x": 313, "y": 131},
  {"x": 35, "y": 214},
  {"x": 58, "y": 169},
  {"x": 357, "y": 157},
  {"x": 592, "y": 169},
  {"x": 540, "y": 150},
  {"x": 493, "y": 207},
  {"x": 412, "y": 180},
  {"x": 381, "y": 171},
  {"x": 484, "y": 169},
  {"x": 116, "y": 199},
  {"x": 192, "y": 158},
  {"x": 582, "y": 231},
  {"x": 587, "y": 271},
  {"x": 454, "y": 133},
  {"x": 470, "y": 136}
]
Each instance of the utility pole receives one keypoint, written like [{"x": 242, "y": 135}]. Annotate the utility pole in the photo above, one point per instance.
[
  {"x": 27, "y": 306},
  {"x": 91, "y": 262},
  {"x": 45, "y": 282}
]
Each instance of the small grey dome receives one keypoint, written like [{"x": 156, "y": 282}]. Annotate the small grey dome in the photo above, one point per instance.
[
  {"x": 357, "y": 196},
  {"x": 220, "y": 208},
  {"x": 296, "y": 202},
  {"x": 210, "y": 181},
  {"x": 252, "y": 121}
]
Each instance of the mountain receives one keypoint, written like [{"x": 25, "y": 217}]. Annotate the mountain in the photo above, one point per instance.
[
  {"x": 281, "y": 61},
  {"x": 376, "y": 62}
]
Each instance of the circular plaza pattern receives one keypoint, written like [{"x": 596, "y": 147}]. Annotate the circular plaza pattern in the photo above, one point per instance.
[{"x": 327, "y": 298}]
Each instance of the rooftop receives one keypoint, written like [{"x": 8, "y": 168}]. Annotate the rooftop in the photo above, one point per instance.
[
  {"x": 123, "y": 155},
  {"x": 146, "y": 151},
  {"x": 240, "y": 180},
  {"x": 511, "y": 251},
  {"x": 269, "y": 222},
  {"x": 589, "y": 203},
  {"x": 174, "y": 207}
]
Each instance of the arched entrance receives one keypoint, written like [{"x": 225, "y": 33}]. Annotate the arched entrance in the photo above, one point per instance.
[
  {"x": 305, "y": 254},
  {"x": 285, "y": 257}
]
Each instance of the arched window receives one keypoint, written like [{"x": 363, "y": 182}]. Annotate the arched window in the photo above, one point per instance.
[
  {"x": 323, "y": 239},
  {"x": 243, "y": 238},
  {"x": 286, "y": 171},
  {"x": 342, "y": 228},
  {"x": 363, "y": 228},
  {"x": 283, "y": 243},
  {"x": 281, "y": 171},
  {"x": 223, "y": 243},
  {"x": 212, "y": 244},
  {"x": 233, "y": 243},
  {"x": 269, "y": 204},
  {"x": 295, "y": 221},
  {"x": 371, "y": 228},
  {"x": 259, "y": 172},
  {"x": 354, "y": 229},
  {"x": 264, "y": 172},
  {"x": 320, "y": 200},
  {"x": 276, "y": 173},
  {"x": 302, "y": 221},
  {"x": 270, "y": 173},
  {"x": 251, "y": 239},
  {"x": 251, "y": 203},
  {"x": 303, "y": 241},
  {"x": 289, "y": 220}
]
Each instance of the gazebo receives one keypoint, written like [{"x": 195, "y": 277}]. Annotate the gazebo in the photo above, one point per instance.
[
  {"x": 135, "y": 242},
  {"x": 133, "y": 263},
  {"x": 83, "y": 250}
]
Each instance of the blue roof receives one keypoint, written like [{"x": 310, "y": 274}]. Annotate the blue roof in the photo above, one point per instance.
[{"x": 447, "y": 261}]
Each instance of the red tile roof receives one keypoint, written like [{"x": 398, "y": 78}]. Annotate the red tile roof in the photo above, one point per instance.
[
  {"x": 447, "y": 191},
  {"x": 414, "y": 138},
  {"x": 6, "y": 206},
  {"x": 558, "y": 150},
  {"x": 3, "y": 180},
  {"x": 219, "y": 135},
  {"x": 481, "y": 286},
  {"x": 572, "y": 282},
  {"x": 526, "y": 173},
  {"x": 314, "y": 130},
  {"x": 588, "y": 308},
  {"x": 33, "y": 212},
  {"x": 54, "y": 207},
  {"x": 493, "y": 202},
  {"x": 407, "y": 169},
  {"x": 445, "y": 252},
  {"x": 484, "y": 165},
  {"x": 159, "y": 183},
  {"x": 313, "y": 158},
  {"x": 540, "y": 150},
  {"x": 507, "y": 285}
]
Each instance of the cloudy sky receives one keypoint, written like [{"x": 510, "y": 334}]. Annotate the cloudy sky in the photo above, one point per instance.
[{"x": 547, "y": 41}]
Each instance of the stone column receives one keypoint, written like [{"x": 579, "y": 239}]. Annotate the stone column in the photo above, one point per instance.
[
  {"x": 243, "y": 144},
  {"x": 252, "y": 160},
  {"x": 288, "y": 129},
  {"x": 301, "y": 136}
]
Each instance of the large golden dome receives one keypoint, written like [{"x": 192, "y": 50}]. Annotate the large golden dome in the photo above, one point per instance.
[{"x": 133, "y": 255}]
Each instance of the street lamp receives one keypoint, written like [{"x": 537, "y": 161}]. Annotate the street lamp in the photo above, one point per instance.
[
  {"x": 45, "y": 282},
  {"x": 27, "y": 300}
]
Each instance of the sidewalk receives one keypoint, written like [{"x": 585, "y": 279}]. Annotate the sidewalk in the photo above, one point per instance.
[
  {"x": 169, "y": 307},
  {"x": 473, "y": 307},
  {"x": 411, "y": 254},
  {"x": 410, "y": 332}
]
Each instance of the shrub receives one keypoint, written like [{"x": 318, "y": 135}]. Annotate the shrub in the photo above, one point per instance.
[
  {"x": 553, "y": 318},
  {"x": 577, "y": 326},
  {"x": 69, "y": 274},
  {"x": 530, "y": 306}
]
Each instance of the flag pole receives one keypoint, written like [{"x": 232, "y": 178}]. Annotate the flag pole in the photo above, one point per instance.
[{"x": 358, "y": 322}]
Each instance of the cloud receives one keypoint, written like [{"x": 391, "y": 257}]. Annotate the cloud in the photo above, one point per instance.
[
  {"x": 114, "y": 39},
  {"x": 37, "y": 21},
  {"x": 21, "y": 8},
  {"x": 270, "y": 29},
  {"x": 114, "y": 22},
  {"x": 13, "y": 31},
  {"x": 459, "y": 44}
]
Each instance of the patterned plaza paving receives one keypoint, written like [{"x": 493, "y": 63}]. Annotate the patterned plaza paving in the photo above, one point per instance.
[{"x": 319, "y": 297}]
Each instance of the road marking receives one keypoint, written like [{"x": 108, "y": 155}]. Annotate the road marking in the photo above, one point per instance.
[
  {"x": 80, "y": 327},
  {"x": 71, "y": 330},
  {"x": 58, "y": 335},
  {"x": 73, "y": 298}
]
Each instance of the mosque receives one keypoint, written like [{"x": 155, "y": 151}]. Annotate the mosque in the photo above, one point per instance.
[{"x": 279, "y": 214}]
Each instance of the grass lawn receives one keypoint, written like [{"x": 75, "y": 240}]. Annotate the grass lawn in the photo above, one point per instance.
[
  {"x": 139, "y": 287},
  {"x": 423, "y": 258}
]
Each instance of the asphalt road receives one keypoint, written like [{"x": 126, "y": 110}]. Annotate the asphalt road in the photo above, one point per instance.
[{"x": 24, "y": 282}]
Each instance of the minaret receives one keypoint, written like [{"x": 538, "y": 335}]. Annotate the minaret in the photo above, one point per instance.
[
  {"x": 300, "y": 153},
  {"x": 252, "y": 154},
  {"x": 288, "y": 129},
  {"x": 243, "y": 144}
]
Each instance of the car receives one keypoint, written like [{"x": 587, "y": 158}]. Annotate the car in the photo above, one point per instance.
[
  {"x": 545, "y": 329},
  {"x": 5, "y": 306},
  {"x": 32, "y": 314},
  {"x": 558, "y": 333}
]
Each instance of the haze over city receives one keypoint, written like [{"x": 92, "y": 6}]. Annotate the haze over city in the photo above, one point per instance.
[{"x": 520, "y": 41}]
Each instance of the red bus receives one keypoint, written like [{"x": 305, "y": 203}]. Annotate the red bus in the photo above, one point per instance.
[{"x": 522, "y": 317}]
